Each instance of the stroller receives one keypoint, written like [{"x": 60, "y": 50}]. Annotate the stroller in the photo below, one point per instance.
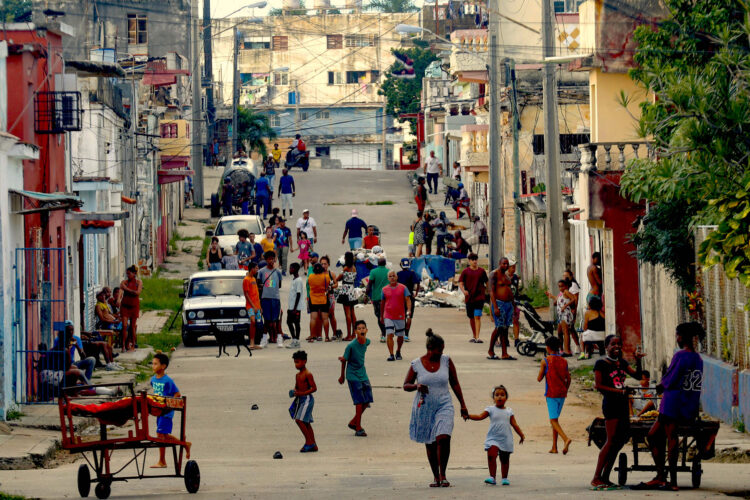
[{"x": 540, "y": 330}]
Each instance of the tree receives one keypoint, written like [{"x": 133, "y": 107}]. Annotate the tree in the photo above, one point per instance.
[
  {"x": 14, "y": 10},
  {"x": 695, "y": 64},
  {"x": 252, "y": 129},
  {"x": 404, "y": 95},
  {"x": 391, "y": 6}
]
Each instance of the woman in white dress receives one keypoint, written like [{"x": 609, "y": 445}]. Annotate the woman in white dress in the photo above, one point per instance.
[{"x": 432, "y": 376}]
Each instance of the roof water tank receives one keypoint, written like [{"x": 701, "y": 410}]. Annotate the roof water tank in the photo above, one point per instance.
[
  {"x": 322, "y": 4},
  {"x": 290, "y": 4}
]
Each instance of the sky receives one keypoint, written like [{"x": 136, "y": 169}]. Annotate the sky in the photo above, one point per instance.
[{"x": 221, "y": 8}]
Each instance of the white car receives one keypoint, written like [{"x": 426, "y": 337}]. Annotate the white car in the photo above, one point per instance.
[
  {"x": 213, "y": 301},
  {"x": 228, "y": 226}
]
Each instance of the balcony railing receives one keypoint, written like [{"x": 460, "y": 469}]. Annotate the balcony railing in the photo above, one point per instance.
[
  {"x": 599, "y": 155},
  {"x": 475, "y": 146}
]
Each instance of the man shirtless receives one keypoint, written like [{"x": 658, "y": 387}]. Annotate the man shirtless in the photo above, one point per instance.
[
  {"x": 501, "y": 304},
  {"x": 594, "y": 273}
]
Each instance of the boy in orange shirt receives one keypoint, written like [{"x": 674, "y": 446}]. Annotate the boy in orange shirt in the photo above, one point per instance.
[{"x": 252, "y": 300}]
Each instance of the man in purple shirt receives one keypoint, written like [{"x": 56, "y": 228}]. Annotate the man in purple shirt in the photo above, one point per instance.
[{"x": 681, "y": 393}]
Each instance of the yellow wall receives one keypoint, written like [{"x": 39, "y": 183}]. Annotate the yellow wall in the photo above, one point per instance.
[
  {"x": 610, "y": 121},
  {"x": 175, "y": 147}
]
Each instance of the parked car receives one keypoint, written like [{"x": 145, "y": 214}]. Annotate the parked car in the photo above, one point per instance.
[
  {"x": 213, "y": 301},
  {"x": 227, "y": 227}
]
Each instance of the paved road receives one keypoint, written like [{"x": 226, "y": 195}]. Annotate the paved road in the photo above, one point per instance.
[{"x": 234, "y": 445}]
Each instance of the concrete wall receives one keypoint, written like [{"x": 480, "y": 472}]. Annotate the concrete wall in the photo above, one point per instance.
[
  {"x": 718, "y": 388},
  {"x": 610, "y": 121},
  {"x": 660, "y": 300},
  {"x": 744, "y": 391},
  {"x": 340, "y": 121}
]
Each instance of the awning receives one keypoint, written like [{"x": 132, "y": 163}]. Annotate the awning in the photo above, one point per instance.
[
  {"x": 97, "y": 216},
  {"x": 31, "y": 202},
  {"x": 173, "y": 175},
  {"x": 474, "y": 76},
  {"x": 163, "y": 77}
]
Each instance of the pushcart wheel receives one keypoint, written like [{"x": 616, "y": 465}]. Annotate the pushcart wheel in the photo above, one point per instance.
[
  {"x": 521, "y": 348},
  {"x": 696, "y": 472},
  {"x": 84, "y": 481},
  {"x": 192, "y": 476},
  {"x": 622, "y": 470},
  {"x": 102, "y": 490}
]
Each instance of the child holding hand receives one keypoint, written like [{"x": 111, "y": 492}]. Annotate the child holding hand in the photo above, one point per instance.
[
  {"x": 499, "y": 442},
  {"x": 304, "y": 246}
]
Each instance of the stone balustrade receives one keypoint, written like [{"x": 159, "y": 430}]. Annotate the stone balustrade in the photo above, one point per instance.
[
  {"x": 470, "y": 51},
  {"x": 599, "y": 155},
  {"x": 475, "y": 146}
]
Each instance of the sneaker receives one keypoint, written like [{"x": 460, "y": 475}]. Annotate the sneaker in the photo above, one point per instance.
[
  {"x": 398, "y": 356},
  {"x": 406, "y": 338},
  {"x": 391, "y": 358},
  {"x": 287, "y": 337},
  {"x": 280, "y": 341},
  {"x": 582, "y": 356},
  {"x": 382, "y": 339},
  {"x": 110, "y": 367},
  {"x": 505, "y": 482},
  {"x": 490, "y": 480}
]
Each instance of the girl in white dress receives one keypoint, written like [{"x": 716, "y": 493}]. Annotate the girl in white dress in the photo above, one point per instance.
[{"x": 499, "y": 442}]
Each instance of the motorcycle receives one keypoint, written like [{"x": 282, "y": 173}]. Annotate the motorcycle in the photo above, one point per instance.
[{"x": 301, "y": 160}]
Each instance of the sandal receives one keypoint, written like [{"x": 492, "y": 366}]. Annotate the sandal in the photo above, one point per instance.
[
  {"x": 445, "y": 484},
  {"x": 436, "y": 484},
  {"x": 360, "y": 433}
]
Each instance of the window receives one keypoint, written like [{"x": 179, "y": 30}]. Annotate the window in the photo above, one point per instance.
[
  {"x": 568, "y": 143},
  {"x": 334, "y": 78},
  {"x": 334, "y": 41},
  {"x": 374, "y": 75},
  {"x": 248, "y": 45},
  {"x": 355, "y": 76},
  {"x": 281, "y": 78},
  {"x": 361, "y": 40},
  {"x": 323, "y": 115},
  {"x": 559, "y": 6},
  {"x": 168, "y": 130},
  {"x": 303, "y": 116},
  {"x": 137, "y": 29},
  {"x": 275, "y": 121},
  {"x": 280, "y": 43},
  {"x": 322, "y": 150}
]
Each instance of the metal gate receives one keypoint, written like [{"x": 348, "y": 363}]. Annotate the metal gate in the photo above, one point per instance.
[{"x": 40, "y": 283}]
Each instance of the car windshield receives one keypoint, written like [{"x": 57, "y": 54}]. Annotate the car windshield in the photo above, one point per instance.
[
  {"x": 207, "y": 287},
  {"x": 230, "y": 227}
]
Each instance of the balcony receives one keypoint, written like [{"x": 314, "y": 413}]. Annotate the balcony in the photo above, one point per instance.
[
  {"x": 470, "y": 56},
  {"x": 475, "y": 156},
  {"x": 612, "y": 156},
  {"x": 57, "y": 112}
]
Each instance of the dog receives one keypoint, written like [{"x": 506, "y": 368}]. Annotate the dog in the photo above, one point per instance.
[{"x": 230, "y": 338}]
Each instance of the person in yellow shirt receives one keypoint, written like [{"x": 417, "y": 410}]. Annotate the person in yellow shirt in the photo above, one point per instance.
[
  {"x": 268, "y": 242},
  {"x": 276, "y": 153}
]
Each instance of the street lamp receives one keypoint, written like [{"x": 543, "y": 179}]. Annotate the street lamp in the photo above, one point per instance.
[{"x": 256, "y": 5}]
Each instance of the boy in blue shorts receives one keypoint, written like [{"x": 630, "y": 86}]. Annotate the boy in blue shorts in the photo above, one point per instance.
[
  {"x": 302, "y": 407},
  {"x": 164, "y": 386},
  {"x": 556, "y": 375},
  {"x": 353, "y": 365}
]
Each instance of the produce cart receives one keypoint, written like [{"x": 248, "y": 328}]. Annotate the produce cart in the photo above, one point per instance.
[
  {"x": 98, "y": 451},
  {"x": 695, "y": 443}
]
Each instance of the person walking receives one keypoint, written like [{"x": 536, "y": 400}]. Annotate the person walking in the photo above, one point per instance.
[
  {"x": 564, "y": 303},
  {"x": 473, "y": 284},
  {"x": 287, "y": 191},
  {"x": 420, "y": 194},
  {"x": 354, "y": 228},
  {"x": 270, "y": 279},
  {"x": 262, "y": 193},
  {"x": 432, "y": 169},
  {"x": 284, "y": 244},
  {"x": 502, "y": 307},
  {"x": 556, "y": 375},
  {"x": 410, "y": 280},
  {"x": 318, "y": 283},
  {"x": 270, "y": 170},
  {"x": 347, "y": 299},
  {"x": 354, "y": 372},
  {"x": 325, "y": 261},
  {"x": 393, "y": 313},
  {"x": 432, "y": 376},
  {"x": 295, "y": 305},
  {"x": 419, "y": 237},
  {"x": 306, "y": 224},
  {"x": 227, "y": 196},
  {"x": 130, "y": 308},
  {"x": 377, "y": 280}
]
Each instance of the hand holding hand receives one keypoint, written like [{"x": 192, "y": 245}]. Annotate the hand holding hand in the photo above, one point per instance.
[
  {"x": 423, "y": 389},
  {"x": 520, "y": 441},
  {"x": 464, "y": 413}
]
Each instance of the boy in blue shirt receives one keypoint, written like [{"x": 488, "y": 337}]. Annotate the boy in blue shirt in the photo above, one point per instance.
[
  {"x": 356, "y": 375},
  {"x": 164, "y": 386}
]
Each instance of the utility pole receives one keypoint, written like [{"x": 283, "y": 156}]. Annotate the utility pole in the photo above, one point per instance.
[
  {"x": 196, "y": 153},
  {"x": 208, "y": 72},
  {"x": 551, "y": 148},
  {"x": 384, "y": 156},
  {"x": 496, "y": 221},
  {"x": 296, "y": 107},
  {"x": 516, "y": 160},
  {"x": 235, "y": 89}
]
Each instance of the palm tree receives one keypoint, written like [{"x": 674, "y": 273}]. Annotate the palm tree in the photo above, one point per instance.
[
  {"x": 252, "y": 129},
  {"x": 391, "y": 6}
]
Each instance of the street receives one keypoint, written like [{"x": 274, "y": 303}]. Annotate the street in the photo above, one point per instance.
[{"x": 234, "y": 445}]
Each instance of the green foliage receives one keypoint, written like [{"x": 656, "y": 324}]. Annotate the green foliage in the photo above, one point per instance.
[
  {"x": 253, "y": 129},
  {"x": 13, "y": 10},
  {"x": 404, "y": 95},
  {"x": 161, "y": 293},
  {"x": 539, "y": 188},
  {"x": 204, "y": 252},
  {"x": 536, "y": 291},
  {"x": 666, "y": 237},
  {"x": 7, "y": 496},
  {"x": 391, "y": 6},
  {"x": 14, "y": 413},
  {"x": 299, "y": 12},
  {"x": 696, "y": 64}
]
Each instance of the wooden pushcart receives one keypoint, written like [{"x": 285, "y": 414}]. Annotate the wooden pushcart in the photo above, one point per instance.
[{"x": 98, "y": 452}]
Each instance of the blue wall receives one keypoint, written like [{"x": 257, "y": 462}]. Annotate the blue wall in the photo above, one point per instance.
[
  {"x": 717, "y": 395},
  {"x": 745, "y": 398},
  {"x": 341, "y": 121}
]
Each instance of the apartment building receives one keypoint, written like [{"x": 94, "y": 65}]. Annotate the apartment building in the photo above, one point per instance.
[{"x": 318, "y": 76}]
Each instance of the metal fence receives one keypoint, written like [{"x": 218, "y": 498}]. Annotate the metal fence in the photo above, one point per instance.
[
  {"x": 42, "y": 376},
  {"x": 725, "y": 318}
]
